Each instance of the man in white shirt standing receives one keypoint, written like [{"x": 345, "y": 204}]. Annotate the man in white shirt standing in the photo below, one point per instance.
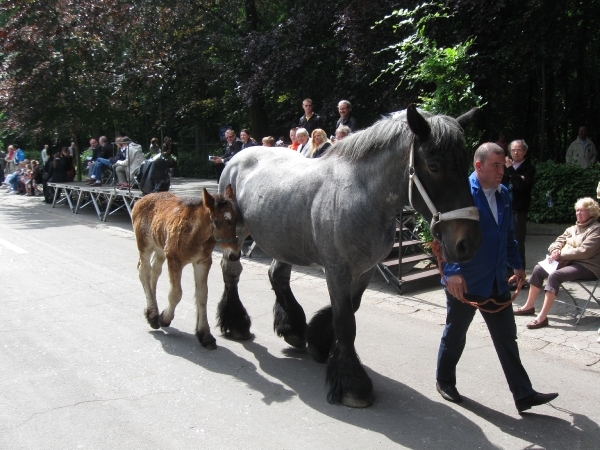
[{"x": 582, "y": 150}]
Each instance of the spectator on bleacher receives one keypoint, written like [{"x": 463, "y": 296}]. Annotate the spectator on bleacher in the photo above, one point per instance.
[
  {"x": 105, "y": 161},
  {"x": 96, "y": 151},
  {"x": 577, "y": 252},
  {"x": 294, "y": 145},
  {"x": 134, "y": 157},
  {"x": 342, "y": 132},
  {"x": 35, "y": 178},
  {"x": 304, "y": 142},
  {"x": 247, "y": 140},
  {"x": 268, "y": 141},
  {"x": 319, "y": 144},
  {"x": 15, "y": 184}
]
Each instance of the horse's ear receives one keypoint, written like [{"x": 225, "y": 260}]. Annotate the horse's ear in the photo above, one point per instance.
[
  {"x": 473, "y": 116},
  {"x": 417, "y": 123},
  {"x": 229, "y": 192},
  {"x": 208, "y": 200}
]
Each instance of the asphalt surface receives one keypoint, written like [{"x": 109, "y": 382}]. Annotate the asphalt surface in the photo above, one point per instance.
[{"x": 81, "y": 368}]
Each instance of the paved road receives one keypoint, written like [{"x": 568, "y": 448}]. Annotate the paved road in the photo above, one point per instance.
[{"x": 80, "y": 367}]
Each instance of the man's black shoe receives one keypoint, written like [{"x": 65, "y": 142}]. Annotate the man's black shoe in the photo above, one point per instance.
[
  {"x": 534, "y": 400},
  {"x": 448, "y": 392}
]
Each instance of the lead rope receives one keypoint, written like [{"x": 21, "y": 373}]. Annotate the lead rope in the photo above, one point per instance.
[{"x": 436, "y": 246}]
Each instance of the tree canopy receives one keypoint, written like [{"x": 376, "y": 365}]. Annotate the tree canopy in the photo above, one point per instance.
[{"x": 81, "y": 68}]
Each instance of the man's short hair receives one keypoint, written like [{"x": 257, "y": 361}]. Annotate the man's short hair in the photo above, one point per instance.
[
  {"x": 102, "y": 140},
  {"x": 230, "y": 129},
  {"x": 307, "y": 100},
  {"x": 519, "y": 141},
  {"x": 301, "y": 132},
  {"x": 484, "y": 150},
  {"x": 345, "y": 102}
]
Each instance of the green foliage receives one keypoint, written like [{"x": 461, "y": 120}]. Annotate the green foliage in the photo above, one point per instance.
[
  {"x": 422, "y": 229},
  {"x": 566, "y": 183},
  {"x": 437, "y": 72}
]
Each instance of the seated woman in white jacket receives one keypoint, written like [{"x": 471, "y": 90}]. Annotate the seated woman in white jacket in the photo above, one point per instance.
[{"x": 134, "y": 157}]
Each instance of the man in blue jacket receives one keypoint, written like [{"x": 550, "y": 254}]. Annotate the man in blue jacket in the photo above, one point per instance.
[{"x": 482, "y": 278}]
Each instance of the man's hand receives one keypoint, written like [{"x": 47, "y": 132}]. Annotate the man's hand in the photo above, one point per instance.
[
  {"x": 456, "y": 285},
  {"x": 508, "y": 162},
  {"x": 218, "y": 160},
  {"x": 519, "y": 274}
]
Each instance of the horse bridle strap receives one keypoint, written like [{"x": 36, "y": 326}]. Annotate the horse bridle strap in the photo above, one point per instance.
[{"x": 470, "y": 212}]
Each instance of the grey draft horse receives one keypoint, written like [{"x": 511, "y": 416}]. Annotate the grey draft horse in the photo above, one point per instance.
[{"x": 338, "y": 212}]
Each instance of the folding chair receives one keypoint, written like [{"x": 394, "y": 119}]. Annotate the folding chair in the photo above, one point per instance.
[{"x": 586, "y": 288}]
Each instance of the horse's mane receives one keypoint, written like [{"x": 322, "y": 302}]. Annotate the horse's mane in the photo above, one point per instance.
[{"x": 393, "y": 132}]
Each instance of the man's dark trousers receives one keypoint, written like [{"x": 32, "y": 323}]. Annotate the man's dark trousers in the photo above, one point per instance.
[{"x": 503, "y": 331}]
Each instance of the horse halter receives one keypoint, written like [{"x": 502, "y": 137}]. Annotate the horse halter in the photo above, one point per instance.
[
  {"x": 470, "y": 212},
  {"x": 233, "y": 240}
]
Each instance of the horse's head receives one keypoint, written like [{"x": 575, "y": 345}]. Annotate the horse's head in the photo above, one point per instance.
[
  {"x": 223, "y": 221},
  {"x": 441, "y": 191}
]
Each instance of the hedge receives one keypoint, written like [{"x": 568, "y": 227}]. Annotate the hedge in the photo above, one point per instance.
[{"x": 565, "y": 184}]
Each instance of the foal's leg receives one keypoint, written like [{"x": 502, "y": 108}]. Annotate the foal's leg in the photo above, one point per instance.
[
  {"x": 232, "y": 317},
  {"x": 175, "y": 268},
  {"x": 201, "y": 269},
  {"x": 289, "y": 318},
  {"x": 348, "y": 382},
  {"x": 145, "y": 272},
  {"x": 319, "y": 333}
]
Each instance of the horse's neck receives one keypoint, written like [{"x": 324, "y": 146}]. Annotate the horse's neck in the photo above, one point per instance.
[{"x": 386, "y": 178}]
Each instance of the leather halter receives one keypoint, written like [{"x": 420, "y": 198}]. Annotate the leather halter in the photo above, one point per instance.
[
  {"x": 233, "y": 240},
  {"x": 470, "y": 212}
]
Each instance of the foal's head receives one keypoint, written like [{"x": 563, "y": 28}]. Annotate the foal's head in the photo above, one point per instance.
[{"x": 223, "y": 221}]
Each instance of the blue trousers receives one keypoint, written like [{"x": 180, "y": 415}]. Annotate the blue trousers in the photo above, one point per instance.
[
  {"x": 101, "y": 163},
  {"x": 503, "y": 331}
]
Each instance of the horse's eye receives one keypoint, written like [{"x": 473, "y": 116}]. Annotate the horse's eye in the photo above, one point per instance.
[
  {"x": 217, "y": 223},
  {"x": 433, "y": 168}
]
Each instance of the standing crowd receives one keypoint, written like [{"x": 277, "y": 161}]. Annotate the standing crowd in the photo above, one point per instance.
[{"x": 308, "y": 138}]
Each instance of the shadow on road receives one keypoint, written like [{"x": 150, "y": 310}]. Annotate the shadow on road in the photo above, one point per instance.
[{"x": 400, "y": 413}]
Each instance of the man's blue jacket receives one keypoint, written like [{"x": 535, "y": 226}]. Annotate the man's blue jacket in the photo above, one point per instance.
[{"x": 498, "y": 246}]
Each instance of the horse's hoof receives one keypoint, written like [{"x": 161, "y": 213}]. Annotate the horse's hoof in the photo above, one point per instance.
[
  {"x": 295, "y": 341},
  {"x": 239, "y": 335},
  {"x": 355, "y": 402},
  {"x": 318, "y": 356},
  {"x": 152, "y": 319},
  {"x": 162, "y": 322},
  {"x": 207, "y": 341}
]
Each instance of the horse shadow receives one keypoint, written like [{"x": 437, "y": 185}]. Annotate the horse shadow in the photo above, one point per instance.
[
  {"x": 400, "y": 413},
  {"x": 222, "y": 361},
  {"x": 409, "y": 418}
]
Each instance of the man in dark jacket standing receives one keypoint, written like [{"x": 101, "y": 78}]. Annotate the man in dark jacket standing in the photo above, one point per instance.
[
  {"x": 346, "y": 117},
  {"x": 519, "y": 174},
  {"x": 310, "y": 121}
]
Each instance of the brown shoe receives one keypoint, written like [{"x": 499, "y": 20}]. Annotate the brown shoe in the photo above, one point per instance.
[
  {"x": 524, "y": 312},
  {"x": 535, "y": 324}
]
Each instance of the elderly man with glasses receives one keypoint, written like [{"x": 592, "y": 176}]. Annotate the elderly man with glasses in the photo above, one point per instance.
[
  {"x": 346, "y": 117},
  {"x": 519, "y": 174}
]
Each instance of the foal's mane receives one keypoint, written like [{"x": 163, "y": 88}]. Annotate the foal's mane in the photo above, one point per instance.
[
  {"x": 220, "y": 201},
  {"x": 393, "y": 132}
]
